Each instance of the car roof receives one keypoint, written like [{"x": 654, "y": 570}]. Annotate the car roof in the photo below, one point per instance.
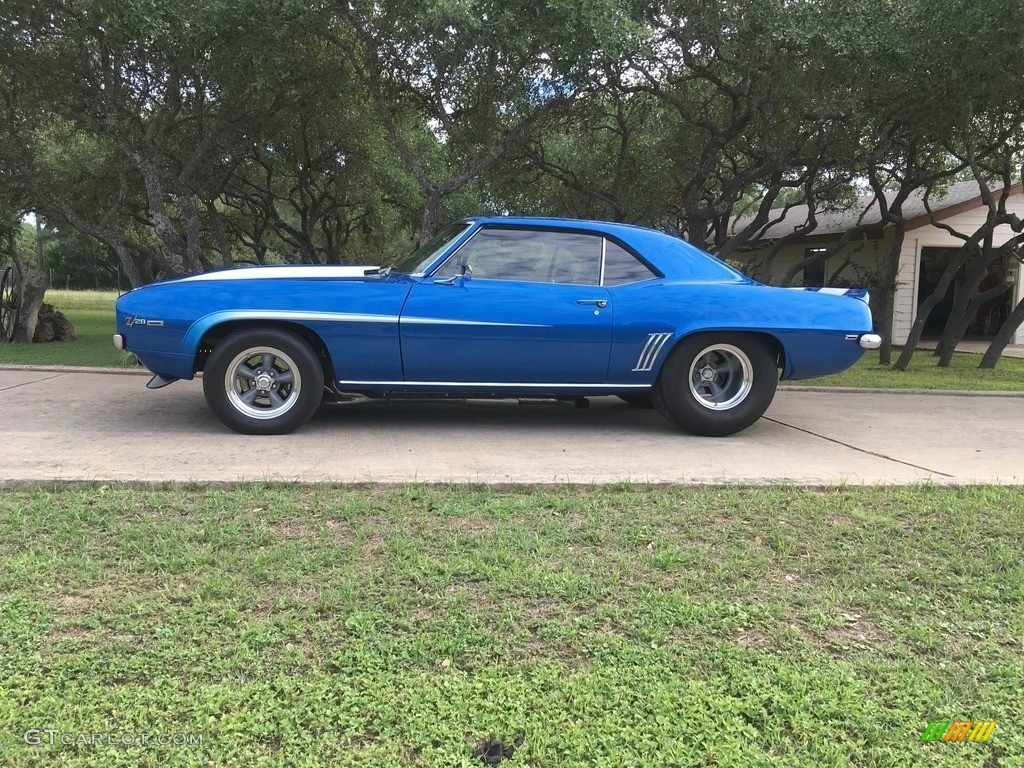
[
  {"x": 669, "y": 253},
  {"x": 552, "y": 221}
]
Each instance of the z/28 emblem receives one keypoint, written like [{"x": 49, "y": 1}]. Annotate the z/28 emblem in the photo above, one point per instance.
[{"x": 132, "y": 322}]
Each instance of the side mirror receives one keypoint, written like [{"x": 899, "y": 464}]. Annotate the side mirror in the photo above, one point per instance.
[{"x": 464, "y": 276}]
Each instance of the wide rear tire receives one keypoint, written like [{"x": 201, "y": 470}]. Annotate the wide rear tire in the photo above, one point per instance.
[
  {"x": 717, "y": 384},
  {"x": 263, "y": 381}
]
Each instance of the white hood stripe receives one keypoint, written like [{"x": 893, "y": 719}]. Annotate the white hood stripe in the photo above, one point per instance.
[{"x": 289, "y": 272}]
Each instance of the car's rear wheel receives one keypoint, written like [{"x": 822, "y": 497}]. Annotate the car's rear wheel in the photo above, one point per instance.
[
  {"x": 263, "y": 381},
  {"x": 717, "y": 384}
]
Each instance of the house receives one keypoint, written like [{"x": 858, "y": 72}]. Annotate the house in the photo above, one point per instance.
[{"x": 923, "y": 258}]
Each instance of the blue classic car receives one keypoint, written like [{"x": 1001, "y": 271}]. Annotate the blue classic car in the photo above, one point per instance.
[{"x": 497, "y": 307}]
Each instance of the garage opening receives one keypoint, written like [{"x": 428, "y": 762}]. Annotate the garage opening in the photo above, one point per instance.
[{"x": 989, "y": 316}]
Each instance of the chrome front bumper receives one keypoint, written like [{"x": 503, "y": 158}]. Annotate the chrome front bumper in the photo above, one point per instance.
[
  {"x": 119, "y": 341},
  {"x": 871, "y": 341}
]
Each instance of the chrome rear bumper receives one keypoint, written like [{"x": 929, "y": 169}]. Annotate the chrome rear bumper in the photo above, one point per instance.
[{"x": 871, "y": 341}]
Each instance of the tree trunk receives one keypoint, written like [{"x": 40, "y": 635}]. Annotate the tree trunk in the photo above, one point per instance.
[
  {"x": 887, "y": 294},
  {"x": 1003, "y": 337},
  {"x": 965, "y": 306},
  {"x": 128, "y": 264},
  {"x": 431, "y": 216},
  {"x": 193, "y": 233},
  {"x": 34, "y": 281},
  {"x": 924, "y": 311},
  {"x": 220, "y": 233},
  {"x": 58, "y": 208},
  {"x": 175, "y": 252}
]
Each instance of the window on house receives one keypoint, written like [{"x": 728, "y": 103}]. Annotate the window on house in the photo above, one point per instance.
[{"x": 814, "y": 274}]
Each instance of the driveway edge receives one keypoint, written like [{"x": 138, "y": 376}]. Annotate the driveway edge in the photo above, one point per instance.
[
  {"x": 891, "y": 391},
  {"x": 72, "y": 369}
]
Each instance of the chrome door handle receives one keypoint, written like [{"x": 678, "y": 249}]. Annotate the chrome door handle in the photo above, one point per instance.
[{"x": 602, "y": 303}]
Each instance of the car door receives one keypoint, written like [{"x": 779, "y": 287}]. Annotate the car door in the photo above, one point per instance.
[{"x": 512, "y": 305}]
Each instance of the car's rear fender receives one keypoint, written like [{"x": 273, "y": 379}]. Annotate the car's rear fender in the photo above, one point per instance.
[
  {"x": 799, "y": 354},
  {"x": 772, "y": 342}
]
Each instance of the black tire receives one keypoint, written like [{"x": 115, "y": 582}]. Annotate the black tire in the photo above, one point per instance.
[
  {"x": 291, "y": 376},
  {"x": 717, "y": 384},
  {"x": 637, "y": 401}
]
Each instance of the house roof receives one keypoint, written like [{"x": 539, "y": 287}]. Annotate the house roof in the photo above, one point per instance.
[{"x": 961, "y": 196}]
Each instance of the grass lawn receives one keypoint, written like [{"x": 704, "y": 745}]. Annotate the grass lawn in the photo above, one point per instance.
[
  {"x": 1007, "y": 376},
  {"x": 92, "y": 314},
  {"x": 610, "y": 626}
]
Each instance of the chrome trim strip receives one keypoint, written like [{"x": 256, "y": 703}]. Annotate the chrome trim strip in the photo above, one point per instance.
[
  {"x": 645, "y": 364},
  {"x": 651, "y": 350},
  {"x": 604, "y": 254},
  {"x": 203, "y": 324},
  {"x": 355, "y": 317},
  {"x": 652, "y": 353},
  {"x": 643, "y": 352},
  {"x": 526, "y": 385},
  {"x": 441, "y": 321},
  {"x": 293, "y": 314},
  {"x": 658, "y": 347}
]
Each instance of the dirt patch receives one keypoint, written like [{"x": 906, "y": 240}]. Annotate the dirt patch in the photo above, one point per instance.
[
  {"x": 341, "y": 529},
  {"x": 289, "y": 529},
  {"x": 754, "y": 638},
  {"x": 80, "y": 602},
  {"x": 470, "y": 525},
  {"x": 73, "y": 605},
  {"x": 856, "y": 631}
]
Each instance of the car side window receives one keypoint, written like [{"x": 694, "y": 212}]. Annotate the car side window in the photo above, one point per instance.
[
  {"x": 537, "y": 256},
  {"x": 621, "y": 266}
]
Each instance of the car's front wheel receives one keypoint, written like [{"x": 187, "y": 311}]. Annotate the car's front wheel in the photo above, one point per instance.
[
  {"x": 263, "y": 381},
  {"x": 717, "y": 384}
]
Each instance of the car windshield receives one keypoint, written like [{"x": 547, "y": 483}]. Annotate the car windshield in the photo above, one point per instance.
[{"x": 420, "y": 259}]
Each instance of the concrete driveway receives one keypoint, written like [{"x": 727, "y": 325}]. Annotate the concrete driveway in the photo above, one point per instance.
[{"x": 90, "y": 426}]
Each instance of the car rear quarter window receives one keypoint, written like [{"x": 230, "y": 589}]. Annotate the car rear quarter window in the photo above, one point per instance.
[{"x": 621, "y": 266}]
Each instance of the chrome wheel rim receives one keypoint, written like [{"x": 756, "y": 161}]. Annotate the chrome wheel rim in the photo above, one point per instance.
[
  {"x": 262, "y": 383},
  {"x": 721, "y": 377}
]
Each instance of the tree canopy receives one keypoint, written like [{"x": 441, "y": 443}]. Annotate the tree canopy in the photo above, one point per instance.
[{"x": 178, "y": 137}]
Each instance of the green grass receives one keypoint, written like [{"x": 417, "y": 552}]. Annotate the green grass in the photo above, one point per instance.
[
  {"x": 923, "y": 373},
  {"x": 611, "y": 626},
  {"x": 102, "y": 301},
  {"x": 92, "y": 314}
]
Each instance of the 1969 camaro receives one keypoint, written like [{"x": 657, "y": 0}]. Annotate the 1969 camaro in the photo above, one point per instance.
[{"x": 497, "y": 307}]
